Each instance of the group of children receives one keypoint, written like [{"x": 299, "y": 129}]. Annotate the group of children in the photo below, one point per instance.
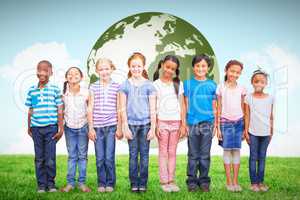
[{"x": 140, "y": 110}]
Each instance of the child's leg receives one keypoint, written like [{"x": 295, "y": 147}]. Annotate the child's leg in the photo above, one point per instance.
[
  {"x": 110, "y": 156},
  {"x": 193, "y": 157},
  {"x": 227, "y": 158},
  {"x": 39, "y": 151},
  {"x": 71, "y": 141},
  {"x": 253, "y": 159},
  {"x": 82, "y": 154},
  {"x": 144, "y": 155},
  {"x": 236, "y": 165},
  {"x": 100, "y": 156},
  {"x": 163, "y": 155},
  {"x": 50, "y": 154},
  {"x": 173, "y": 141},
  {"x": 262, "y": 151},
  {"x": 133, "y": 158}
]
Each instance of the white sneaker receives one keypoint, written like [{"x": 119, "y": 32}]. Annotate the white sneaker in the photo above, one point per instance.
[
  {"x": 166, "y": 188},
  {"x": 52, "y": 190},
  {"x": 174, "y": 187},
  {"x": 41, "y": 191}
]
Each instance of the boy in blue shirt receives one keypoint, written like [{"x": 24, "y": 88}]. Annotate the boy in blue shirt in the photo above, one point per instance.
[
  {"x": 45, "y": 125},
  {"x": 200, "y": 100}
]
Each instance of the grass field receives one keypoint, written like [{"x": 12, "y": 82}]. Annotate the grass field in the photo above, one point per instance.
[{"x": 17, "y": 180}]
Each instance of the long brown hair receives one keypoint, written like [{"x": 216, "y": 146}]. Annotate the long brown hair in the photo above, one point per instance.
[
  {"x": 143, "y": 59},
  {"x": 66, "y": 74},
  {"x": 176, "y": 79},
  {"x": 230, "y": 63}
]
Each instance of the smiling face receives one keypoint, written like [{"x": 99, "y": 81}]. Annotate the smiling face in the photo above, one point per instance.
[
  {"x": 74, "y": 76},
  {"x": 44, "y": 71},
  {"x": 259, "y": 82},
  {"x": 200, "y": 69},
  {"x": 233, "y": 72},
  {"x": 104, "y": 70},
  {"x": 169, "y": 69},
  {"x": 136, "y": 67}
]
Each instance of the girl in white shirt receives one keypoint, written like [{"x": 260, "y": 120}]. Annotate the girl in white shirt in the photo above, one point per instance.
[
  {"x": 75, "y": 100},
  {"x": 170, "y": 117}
]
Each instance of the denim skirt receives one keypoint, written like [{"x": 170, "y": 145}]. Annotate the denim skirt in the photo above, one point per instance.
[{"x": 232, "y": 133}]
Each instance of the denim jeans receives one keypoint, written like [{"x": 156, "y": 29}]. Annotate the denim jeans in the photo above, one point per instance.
[
  {"x": 139, "y": 145},
  {"x": 77, "y": 146},
  {"x": 258, "y": 151},
  {"x": 105, "y": 155},
  {"x": 45, "y": 155},
  {"x": 199, "y": 145}
]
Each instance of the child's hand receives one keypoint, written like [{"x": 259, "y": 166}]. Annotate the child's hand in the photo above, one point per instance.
[
  {"x": 128, "y": 133},
  {"x": 246, "y": 136},
  {"x": 151, "y": 134},
  {"x": 119, "y": 134},
  {"x": 157, "y": 133},
  {"x": 92, "y": 135},
  {"x": 271, "y": 136},
  {"x": 29, "y": 132},
  {"x": 182, "y": 131},
  {"x": 187, "y": 131},
  {"x": 58, "y": 135}
]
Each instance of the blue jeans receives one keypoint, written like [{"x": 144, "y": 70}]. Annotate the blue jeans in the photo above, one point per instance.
[
  {"x": 45, "y": 155},
  {"x": 199, "y": 145},
  {"x": 77, "y": 145},
  {"x": 139, "y": 145},
  {"x": 105, "y": 156},
  {"x": 258, "y": 151}
]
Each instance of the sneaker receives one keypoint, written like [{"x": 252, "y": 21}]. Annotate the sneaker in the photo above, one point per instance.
[
  {"x": 254, "y": 188},
  {"x": 53, "y": 189},
  {"x": 263, "y": 187},
  {"x": 84, "y": 188},
  {"x": 230, "y": 188},
  {"x": 134, "y": 189},
  {"x": 237, "y": 188},
  {"x": 41, "y": 190},
  {"x": 142, "y": 189},
  {"x": 166, "y": 188},
  {"x": 192, "y": 188},
  {"x": 174, "y": 187},
  {"x": 109, "y": 189},
  {"x": 67, "y": 188},
  {"x": 205, "y": 188},
  {"x": 101, "y": 189}
]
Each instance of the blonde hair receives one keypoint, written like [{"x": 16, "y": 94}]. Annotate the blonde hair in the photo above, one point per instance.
[
  {"x": 105, "y": 60},
  {"x": 140, "y": 56}
]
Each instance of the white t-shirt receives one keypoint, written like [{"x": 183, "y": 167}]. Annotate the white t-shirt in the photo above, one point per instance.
[
  {"x": 168, "y": 105},
  {"x": 75, "y": 112},
  {"x": 231, "y": 101},
  {"x": 260, "y": 113}
]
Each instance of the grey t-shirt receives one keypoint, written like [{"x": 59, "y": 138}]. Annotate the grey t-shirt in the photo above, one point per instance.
[{"x": 260, "y": 113}]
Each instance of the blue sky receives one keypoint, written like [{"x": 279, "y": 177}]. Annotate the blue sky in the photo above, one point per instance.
[{"x": 254, "y": 31}]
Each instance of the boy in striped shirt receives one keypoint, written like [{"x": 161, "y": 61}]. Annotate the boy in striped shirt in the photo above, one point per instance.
[{"x": 45, "y": 125}]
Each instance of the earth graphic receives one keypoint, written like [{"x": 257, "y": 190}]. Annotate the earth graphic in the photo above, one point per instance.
[{"x": 155, "y": 35}]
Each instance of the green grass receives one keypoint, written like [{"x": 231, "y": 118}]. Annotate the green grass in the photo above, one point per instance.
[{"x": 17, "y": 180}]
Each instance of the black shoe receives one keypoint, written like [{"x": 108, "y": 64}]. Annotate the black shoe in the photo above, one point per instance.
[
  {"x": 142, "y": 189},
  {"x": 205, "y": 188},
  {"x": 134, "y": 189},
  {"x": 192, "y": 188}
]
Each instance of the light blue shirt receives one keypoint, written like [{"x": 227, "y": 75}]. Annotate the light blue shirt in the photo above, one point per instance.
[
  {"x": 44, "y": 103},
  {"x": 200, "y": 96},
  {"x": 138, "y": 107}
]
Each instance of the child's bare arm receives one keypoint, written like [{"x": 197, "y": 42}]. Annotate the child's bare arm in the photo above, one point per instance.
[
  {"x": 29, "y": 122},
  {"x": 219, "y": 111},
  {"x": 92, "y": 133},
  {"x": 119, "y": 133},
  {"x": 183, "y": 130},
  {"x": 247, "y": 121},
  {"x": 60, "y": 118},
  {"x": 152, "y": 104},
  {"x": 125, "y": 127},
  {"x": 271, "y": 123}
]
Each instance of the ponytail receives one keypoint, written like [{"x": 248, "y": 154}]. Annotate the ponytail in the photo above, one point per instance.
[
  {"x": 176, "y": 81},
  {"x": 65, "y": 87},
  {"x": 156, "y": 73}
]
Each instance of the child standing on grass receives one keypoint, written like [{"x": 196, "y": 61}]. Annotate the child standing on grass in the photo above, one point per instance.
[
  {"x": 45, "y": 125},
  {"x": 170, "y": 118},
  {"x": 231, "y": 120},
  {"x": 105, "y": 123},
  {"x": 200, "y": 100},
  {"x": 259, "y": 128},
  {"x": 138, "y": 101},
  {"x": 75, "y": 100}
]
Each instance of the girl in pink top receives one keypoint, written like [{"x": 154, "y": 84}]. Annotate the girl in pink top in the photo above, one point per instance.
[{"x": 231, "y": 121}]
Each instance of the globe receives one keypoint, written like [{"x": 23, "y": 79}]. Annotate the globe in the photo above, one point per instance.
[{"x": 155, "y": 35}]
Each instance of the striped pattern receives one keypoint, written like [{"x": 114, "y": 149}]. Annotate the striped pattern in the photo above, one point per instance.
[
  {"x": 44, "y": 103},
  {"x": 105, "y": 104}
]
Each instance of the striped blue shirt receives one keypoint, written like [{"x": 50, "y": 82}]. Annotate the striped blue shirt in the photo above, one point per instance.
[{"x": 44, "y": 103}]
